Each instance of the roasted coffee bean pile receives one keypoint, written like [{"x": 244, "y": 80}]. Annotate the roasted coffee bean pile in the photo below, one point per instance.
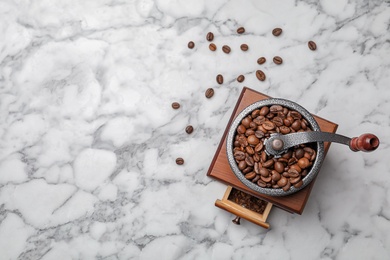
[
  {"x": 247, "y": 201},
  {"x": 262, "y": 169}
]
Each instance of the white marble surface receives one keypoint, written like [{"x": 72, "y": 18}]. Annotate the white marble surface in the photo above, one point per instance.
[{"x": 88, "y": 138}]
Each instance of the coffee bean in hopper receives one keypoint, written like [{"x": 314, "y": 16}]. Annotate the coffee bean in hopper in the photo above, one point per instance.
[
  {"x": 261, "y": 60},
  {"x": 191, "y": 45},
  {"x": 209, "y": 93},
  {"x": 219, "y": 79},
  {"x": 189, "y": 129},
  {"x": 179, "y": 161},
  {"x": 241, "y": 30},
  {"x": 226, "y": 49},
  {"x": 278, "y": 60},
  {"x": 241, "y": 78},
  {"x": 277, "y": 31},
  {"x": 210, "y": 36},
  {"x": 312, "y": 45},
  {"x": 260, "y": 75},
  {"x": 212, "y": 47},
  {"x": 175, "y": 105}
]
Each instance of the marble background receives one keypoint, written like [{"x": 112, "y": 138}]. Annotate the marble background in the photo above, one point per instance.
[{"x": 88, "y": 138}]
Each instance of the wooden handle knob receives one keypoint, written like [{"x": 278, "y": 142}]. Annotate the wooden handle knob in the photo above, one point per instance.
[
  {"x": 236, "y": 220},
  {"x": 364, "y": 143}
]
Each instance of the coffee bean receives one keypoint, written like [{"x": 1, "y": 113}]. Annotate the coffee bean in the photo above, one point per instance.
[
  {"x": 275, "y": 109},
  {"x": 264, "y": 111},
  {"x": 239, "y": 156},
  {"x": 189, "y": 129},
  {"x": 296, "y": 125},
  {"x": 191, "y": 45},
  {"x": 241, "y": 30},
  {"x": 278, "y": 60},
  {"x": 276, "y": 176},
  {"x": 247, "y": 169},
  {"x": 268, "y": 163},
  {"x": 219, "y": 79},
  {"x": 259, "y": 146},
  {"x": 298, "y": 184},
  {"x": 295, "y": 115},
  {"x": 246, "y": 122},
  {"x": 284, "y": 129},
  {"x": 287, "y": 186},
  {"x": 295, "y": 180},
  {"x": 261, "y": 60},
  {"x": 241, "y": 129},
  {"x": 260, "y": 75},
  {"x": 249, "y": 161},
  {"x": 277, "y": 31},
  {"x": 241, "y": 78},
  {"x": 279, "y": 167},
  {"x": 210, "y": 36},
  {"x": 226, "y": 49},
  {"x": 244, "y": 47},
  {"x": 179, "y": 161},
  {"x": 299, "y": 153},
  {"x": 282, "y": 182},
  {"x": 261, "y": 183},
  {"x": 295, "y": 167},
  {"x": 303, "y": 163},
  {"x": 266, "y": 179},
  {"x": 209, "y": 93},
  {"x": 212, "y": 47},
  {"x": 250, "y": 175},
  {"x": 255, "y": 113},
  {"x": 175, "y": 105},
  {"x": 278, "y": 121},
  {"x": 242, "y": 165},
  {"x": 268, "y": 125},
  {"x": 253, "y": 140},
  {"x": 250, "y": 150},
  {"x": 256, "y": 178},
  {"x": 312, "y": 45}
]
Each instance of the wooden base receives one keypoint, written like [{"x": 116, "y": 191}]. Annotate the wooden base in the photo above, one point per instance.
[{"x": 221, "y": 171}]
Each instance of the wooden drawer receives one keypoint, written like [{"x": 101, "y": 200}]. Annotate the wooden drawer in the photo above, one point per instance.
[{"x": 242, "y": 212}]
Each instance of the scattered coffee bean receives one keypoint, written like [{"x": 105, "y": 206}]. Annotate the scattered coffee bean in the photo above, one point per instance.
[
  {"x": 179, "y": 161},
  {"x": 175, "y": 105},
  {"x": 219, "y": 79},
  {"x": 241, "y": 78},
  {"x": 241, "y": 30},
  {"x": 210, "y": 36},
  {"x": 209, "y": 93},
  {"x": 278, "y": 60},
  {"x": 249, "y": 202},
  {"x": 312, "y": 45},
  {"x": 260, "y": 75},
  {"x": 244, "y": 47},
  {"x": 277, "y": 31},
  {"x": 261, "y": 60},
  {"x": 212, "y": 47},
  {"x": 266, "y": 170},
  {"x": 226, "y": 49},
  {"x": 189, "y": 129},
  {"x": 191, "y": 45}
]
